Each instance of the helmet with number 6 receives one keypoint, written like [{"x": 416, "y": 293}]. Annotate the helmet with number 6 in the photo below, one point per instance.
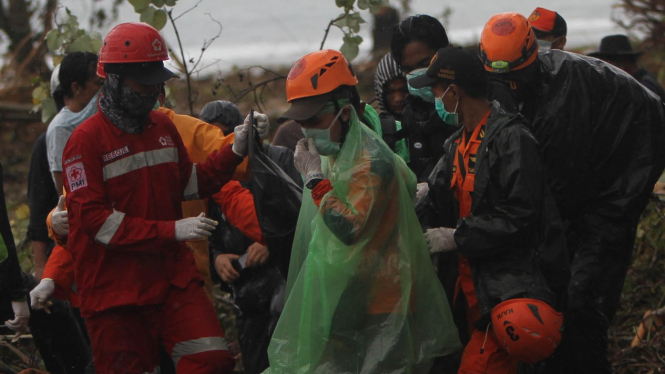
[{"x": 528, "y": 329}]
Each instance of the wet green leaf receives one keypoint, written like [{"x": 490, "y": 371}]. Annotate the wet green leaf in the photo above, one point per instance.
[
  {"x": 139, "y": 5},
  {"x": 159, "y": 19},
  {"x": 147, "y": 15},
  {"x": 53, "y": 40}
]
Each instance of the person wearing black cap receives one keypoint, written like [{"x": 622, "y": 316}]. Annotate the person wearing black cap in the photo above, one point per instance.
[
  {"x": 492, "y": 173},
  {"x": 223, "y": 114},
  {"x": 414, "y": 42},
  {"x": 617, "y": 50},
  {"x": 550, "y": 29},
  {"x": 127, "y": 172}
]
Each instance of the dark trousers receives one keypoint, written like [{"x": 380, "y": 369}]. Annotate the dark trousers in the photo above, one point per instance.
[
  {"x": 58, "y": 336},
  {"x": 598, "y": 270}
]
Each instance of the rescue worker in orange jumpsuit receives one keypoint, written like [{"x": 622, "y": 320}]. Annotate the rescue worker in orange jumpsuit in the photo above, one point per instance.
[
  {"x": 127, "y": 172},
  {"x": 492, "y": 168}
]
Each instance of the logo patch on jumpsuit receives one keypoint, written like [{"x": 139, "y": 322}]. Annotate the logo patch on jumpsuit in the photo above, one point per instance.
[{"x": 76, "y": 176}]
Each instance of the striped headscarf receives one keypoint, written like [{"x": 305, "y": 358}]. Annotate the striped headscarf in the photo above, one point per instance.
[{"x": 386, "y": 71}]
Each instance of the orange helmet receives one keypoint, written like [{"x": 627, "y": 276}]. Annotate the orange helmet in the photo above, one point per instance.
[
  {"x": 131, "y": 42},
  {"x": 318, "y": 73},
  {"x": 507, "y": 43},
  {"x": 528, "y": 329}
]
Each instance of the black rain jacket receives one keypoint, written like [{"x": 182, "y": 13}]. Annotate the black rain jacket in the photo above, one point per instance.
[
  {"x": 11, "y": 283},
  {"x": 602, "y": 138},
  {"x": 513, "y": 238}
]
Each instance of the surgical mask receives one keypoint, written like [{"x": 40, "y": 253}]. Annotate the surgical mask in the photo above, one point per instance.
[
  {"x": 324, "y": 145},
  {"x": 424, "y": 93},
  {"x": 446, "y": 117},
  {"x": 544, "y": 45},
  {"x": 156, "y": 106}
]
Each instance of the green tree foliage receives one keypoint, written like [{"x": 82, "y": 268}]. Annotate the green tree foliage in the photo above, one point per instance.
[
  {"x": 349, "y": 22},
  {"x": 67, "y": 37}
]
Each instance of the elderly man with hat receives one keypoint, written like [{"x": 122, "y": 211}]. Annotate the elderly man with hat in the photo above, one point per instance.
[
  {"x": 550, "y": 28},
  {"x": 504, "y": 219},
  {"x": 617, "y": 50}
]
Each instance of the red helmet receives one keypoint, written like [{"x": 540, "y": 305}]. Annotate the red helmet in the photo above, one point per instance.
[
  {"x": 319, "y": 73},
  {"x": 131, "y": 42},
  {"x": 528, "y": 329}
]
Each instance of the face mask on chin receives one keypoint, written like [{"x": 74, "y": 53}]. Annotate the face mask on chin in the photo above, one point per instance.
[
  {"x": 322, "y": 141},
  {"x": 424, "y": 93},
  {"x": 447, "y": 117},
  {"x": 544, "y": 45}
]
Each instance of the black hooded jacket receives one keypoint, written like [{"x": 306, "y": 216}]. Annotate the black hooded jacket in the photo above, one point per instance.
[
  {"x": 513, "y": 238},
  {"x": 11, "y": 283},
  {"x": 602, "y": 138}
]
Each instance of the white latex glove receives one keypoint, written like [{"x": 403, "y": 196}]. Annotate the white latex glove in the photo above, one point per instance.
[
  {"x": 59, "y": 220},
  {"x": 261, "y": 123},
  {"x": 440, "y": 239},
  {"x": 40, "y": 296},
  {"x": 21, "y": 317},
  {"x": 421, "y": 190},
  {"x": 194, "y": 228},
  {"x": 307, "y": 160},
  {"x": 240, "y": 140}
]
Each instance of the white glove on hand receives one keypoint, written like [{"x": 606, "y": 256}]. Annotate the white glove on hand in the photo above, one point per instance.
[
  {"x": 440, "y": 239},
  {"x": 40, "y": 296},
  {"x": 21, "y": 317},
  {"x": 307, "y": 160},
  {"x": 262, "y": 124},
  {"x": 240, "y": 141},
  {"x": 421, "y": 190},
  {"x": 59, "y": 219},
  {"x": 194, "y": 228}
]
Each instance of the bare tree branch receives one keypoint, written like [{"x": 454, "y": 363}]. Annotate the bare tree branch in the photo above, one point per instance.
[
  {"x": 189, "y": 10},
  {"x": 330, "y": 24},
  {"x": 184, "y": 63},
  {"x": 208, "y": 43},
  {"x": 254, "y": 87}
]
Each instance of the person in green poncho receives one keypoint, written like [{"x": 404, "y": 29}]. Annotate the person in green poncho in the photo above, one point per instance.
[{"x": 363, "y": 296}]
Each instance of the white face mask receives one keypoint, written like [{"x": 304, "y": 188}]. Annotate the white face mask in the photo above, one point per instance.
[{"x": 324, "y": 145}]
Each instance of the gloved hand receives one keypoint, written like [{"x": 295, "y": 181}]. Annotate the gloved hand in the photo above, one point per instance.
[
  {"x": 262, "y": 124},
  {"x": 21, "y": 317},
  {"x": 59, "y": 219},
  {"x": 440, "y": 239},
  {"x": 240, "y": 140},
  {"x": 194, "y": 228},
  {"x": 40, "y": 296},
  {"x": 421, "y": 190},
  {"x": 307, "y": 160}
]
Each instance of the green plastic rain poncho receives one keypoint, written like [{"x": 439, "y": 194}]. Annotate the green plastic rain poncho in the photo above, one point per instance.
[{"x": 363, "y": 296}]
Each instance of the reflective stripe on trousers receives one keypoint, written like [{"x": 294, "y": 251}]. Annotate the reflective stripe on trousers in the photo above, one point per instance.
[{"x": 194, "y": 346}]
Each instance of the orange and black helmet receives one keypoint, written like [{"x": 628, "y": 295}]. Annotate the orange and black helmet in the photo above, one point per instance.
[
  {"x": 528, "y": 329},
  {"x": 507, "y": 43},
  {"x": 316, "y": 79},
  {"x": 319, "y": 73}
]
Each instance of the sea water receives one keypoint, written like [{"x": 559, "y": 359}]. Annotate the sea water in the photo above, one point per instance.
[{"x": 277, "y": 32}]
